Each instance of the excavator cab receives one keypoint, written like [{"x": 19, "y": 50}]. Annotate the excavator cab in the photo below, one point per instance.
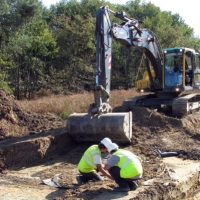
[
  {"x": 179, "y": 66},
  {"x": 181, "y": 71}
]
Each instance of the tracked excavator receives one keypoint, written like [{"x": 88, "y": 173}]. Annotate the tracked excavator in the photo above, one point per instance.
[{"x": 170, "y": 84}]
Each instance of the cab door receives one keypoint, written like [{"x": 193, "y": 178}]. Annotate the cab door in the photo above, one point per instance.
[{"x": 197, "y": 71}]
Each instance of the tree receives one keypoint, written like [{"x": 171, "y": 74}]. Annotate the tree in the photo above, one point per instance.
[
  {"x": 29, "y": 48},
  {"x": 76, "y": 50}
]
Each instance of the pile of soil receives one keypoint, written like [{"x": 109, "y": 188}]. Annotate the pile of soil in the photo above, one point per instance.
[
  {"x": 151, "y": 131},
  {"x": 17, "y": 122}
]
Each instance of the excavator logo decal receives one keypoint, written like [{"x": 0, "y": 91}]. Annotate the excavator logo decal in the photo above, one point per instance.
[{"x": 109, "y": 61}]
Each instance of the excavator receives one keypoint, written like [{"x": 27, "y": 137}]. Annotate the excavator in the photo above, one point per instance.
[{"x": 171, "y": 84}]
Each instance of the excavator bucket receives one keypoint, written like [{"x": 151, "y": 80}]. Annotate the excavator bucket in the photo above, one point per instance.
[{"x": 116, "y": 126}]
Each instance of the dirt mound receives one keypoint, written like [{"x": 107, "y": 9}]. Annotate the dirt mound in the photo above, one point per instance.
[
  {"x": 153, "y": 130},
  {"x": 17, "y": 122}
]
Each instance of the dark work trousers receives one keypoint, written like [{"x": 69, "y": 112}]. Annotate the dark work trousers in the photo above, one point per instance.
[
  {"x": 90, "y": 176},
  {"x": 122, "y": 182}
]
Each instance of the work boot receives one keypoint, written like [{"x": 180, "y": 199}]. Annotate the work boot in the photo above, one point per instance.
[
  {"x": 121, "y": 189},
  {"x": 133, "y": 185},
  {"x": 79, "y": 180}
]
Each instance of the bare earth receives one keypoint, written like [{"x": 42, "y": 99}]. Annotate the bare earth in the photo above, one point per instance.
[{"x": 37, "y": 147}]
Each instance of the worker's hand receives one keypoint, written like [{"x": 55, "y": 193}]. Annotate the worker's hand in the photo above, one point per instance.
[{"x": 110, "y": 177}]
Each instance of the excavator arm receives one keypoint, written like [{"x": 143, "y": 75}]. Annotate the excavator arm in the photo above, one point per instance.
[
  {"x": 100, "y": 121},
  {"x": 128, "y": 34},
  {"x": 103, "y": 64}
]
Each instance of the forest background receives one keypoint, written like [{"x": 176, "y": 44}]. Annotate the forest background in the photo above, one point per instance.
[{"x": 52, "y": 50}]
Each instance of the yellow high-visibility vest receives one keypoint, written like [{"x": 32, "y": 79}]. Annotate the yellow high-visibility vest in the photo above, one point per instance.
[
  {"x": 129, "y": 164},
  {"x": 86, "y": 163}
]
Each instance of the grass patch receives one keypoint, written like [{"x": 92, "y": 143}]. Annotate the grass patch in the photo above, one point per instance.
[{"x": 64, "y": 105}]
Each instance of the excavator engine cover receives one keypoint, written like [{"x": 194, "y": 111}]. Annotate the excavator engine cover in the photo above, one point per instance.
[{"x": 116, "y": 126}]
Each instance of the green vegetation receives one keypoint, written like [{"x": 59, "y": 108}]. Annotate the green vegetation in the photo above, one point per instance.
[{"x": 51, "y": 51}]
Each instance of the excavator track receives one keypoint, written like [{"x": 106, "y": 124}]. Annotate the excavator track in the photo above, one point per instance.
[
  {"x": 181, "y": 106},
  {"x": 187, "y": 104}
]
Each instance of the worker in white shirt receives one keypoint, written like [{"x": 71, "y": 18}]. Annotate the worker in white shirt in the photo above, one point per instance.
[{"x": 124, "y": 167}]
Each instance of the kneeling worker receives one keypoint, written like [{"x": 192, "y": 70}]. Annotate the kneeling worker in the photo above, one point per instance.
[
  {"x": 125, "y": 168},
  {"x": 91, "y": 163}
]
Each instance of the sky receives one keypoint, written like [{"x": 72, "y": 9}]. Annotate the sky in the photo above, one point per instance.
[{"x": 188, "y": 10}]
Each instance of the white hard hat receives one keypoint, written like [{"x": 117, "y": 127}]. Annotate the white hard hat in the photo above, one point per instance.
[
  {"x": 112, "y": 147},
  {"x": 106, "y": 142}
]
